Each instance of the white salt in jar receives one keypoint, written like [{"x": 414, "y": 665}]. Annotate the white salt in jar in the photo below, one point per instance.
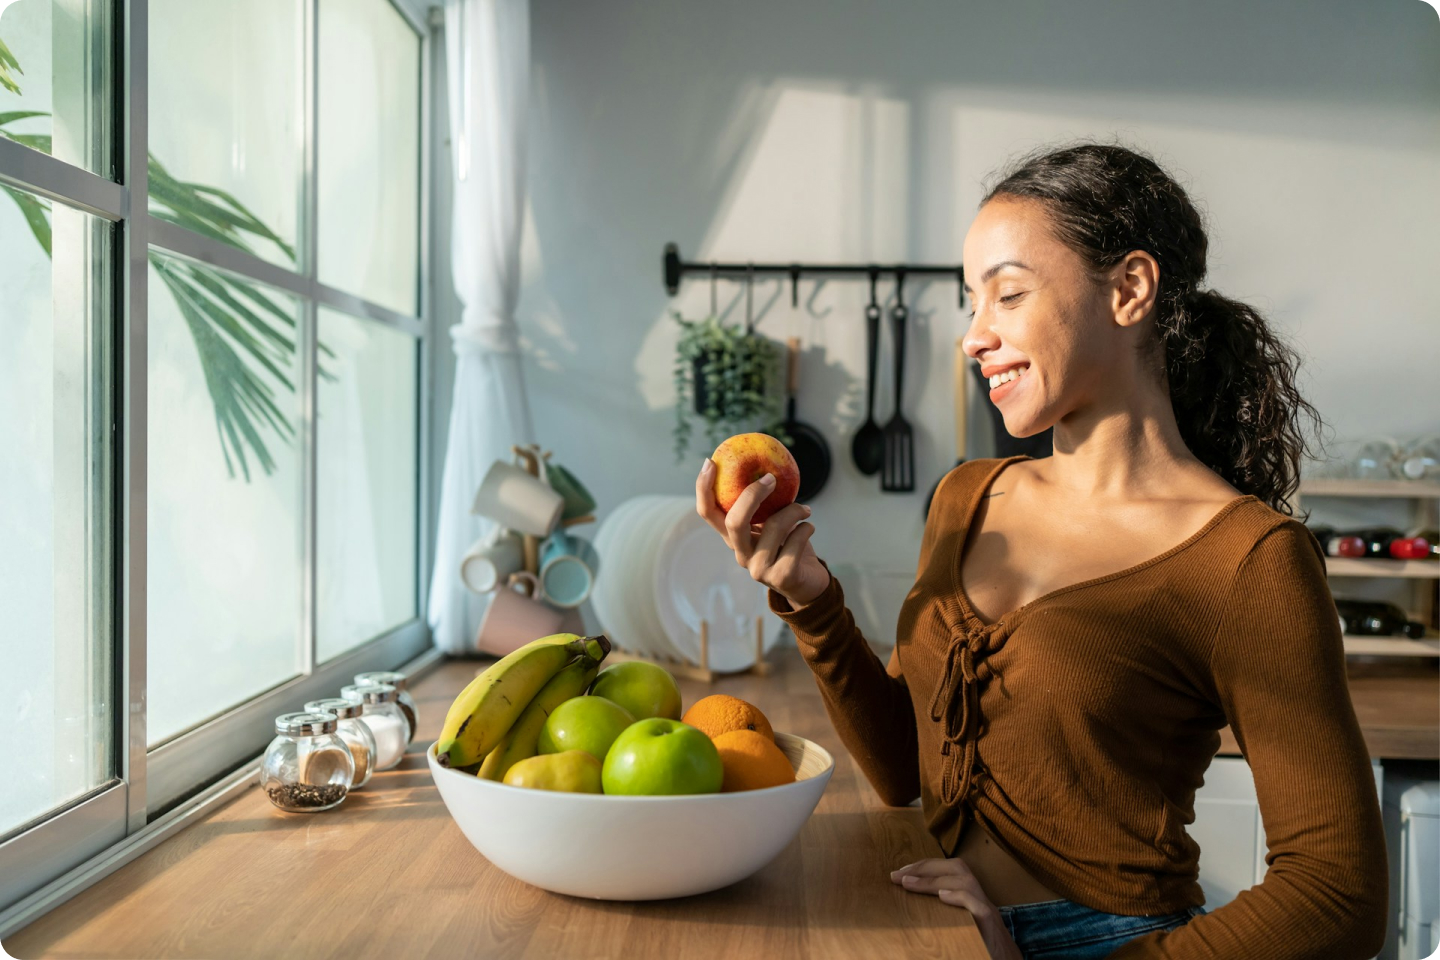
[
  {"x": 400, "y": 682},
  {"x": 383, "y": 716}
]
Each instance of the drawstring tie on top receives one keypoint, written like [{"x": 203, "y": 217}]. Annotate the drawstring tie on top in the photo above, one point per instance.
[{"x": 956, "y": 704}]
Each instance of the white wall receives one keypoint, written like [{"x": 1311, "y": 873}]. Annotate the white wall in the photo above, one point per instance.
[{"x": 1310, "y": 132}]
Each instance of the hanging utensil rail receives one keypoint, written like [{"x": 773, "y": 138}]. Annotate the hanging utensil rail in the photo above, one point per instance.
[{"x": 676, "y": 269}]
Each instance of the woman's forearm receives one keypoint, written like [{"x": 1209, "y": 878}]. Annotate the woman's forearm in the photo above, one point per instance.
[{"x": 868, "y": 703}]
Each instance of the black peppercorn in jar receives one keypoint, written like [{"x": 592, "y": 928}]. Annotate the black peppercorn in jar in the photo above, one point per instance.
[{"x": 307, "y": 767}]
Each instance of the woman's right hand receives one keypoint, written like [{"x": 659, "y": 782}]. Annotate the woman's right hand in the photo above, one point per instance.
[{"x": 776, "y": 553}]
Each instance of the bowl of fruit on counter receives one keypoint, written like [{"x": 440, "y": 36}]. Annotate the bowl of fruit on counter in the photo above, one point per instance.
[{"x": 600, "y": 783}]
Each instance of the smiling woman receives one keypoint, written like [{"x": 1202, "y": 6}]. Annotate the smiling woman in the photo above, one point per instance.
[{"x": 1083, "y": 625}]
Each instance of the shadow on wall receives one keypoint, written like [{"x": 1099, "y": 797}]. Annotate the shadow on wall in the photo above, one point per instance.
[{"x": 783, "y": 132}]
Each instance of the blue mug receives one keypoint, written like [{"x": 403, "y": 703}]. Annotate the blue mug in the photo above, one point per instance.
[{"x": 568, "y": 567}]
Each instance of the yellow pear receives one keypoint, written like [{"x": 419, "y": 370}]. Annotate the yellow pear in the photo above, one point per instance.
[{"x": 571, "y": 771}]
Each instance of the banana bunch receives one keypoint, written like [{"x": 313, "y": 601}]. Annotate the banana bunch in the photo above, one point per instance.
[{"x": 542, "y": 674}]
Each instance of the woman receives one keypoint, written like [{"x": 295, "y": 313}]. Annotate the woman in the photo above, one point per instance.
[{"x": 1083, "y": 625}]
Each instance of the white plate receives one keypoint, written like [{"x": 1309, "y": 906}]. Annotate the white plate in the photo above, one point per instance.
[
  {"x": 607, "y": 599},
  {"x": 696, "y": 577},
  {"x": 650, "y": 529}
]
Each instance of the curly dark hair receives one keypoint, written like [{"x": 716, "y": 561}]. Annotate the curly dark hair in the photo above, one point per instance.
[{"x": 1231, "y": 378}]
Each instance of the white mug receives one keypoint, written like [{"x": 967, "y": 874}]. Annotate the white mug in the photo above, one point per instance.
[
  {"x": 491, "y": 559},
  {"x": 511, "y": 497}
]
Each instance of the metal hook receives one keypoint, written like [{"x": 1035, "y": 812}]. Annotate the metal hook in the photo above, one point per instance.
[
  {"x": 874, "y": 278},
  {"x": 899, "y": 287},
  {"x": 794, "y": 285},
  {"x": 714, "y": 301},
  {"x": 960, "y": 287}
]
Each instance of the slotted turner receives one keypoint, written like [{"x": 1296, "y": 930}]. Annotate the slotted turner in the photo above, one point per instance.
[{"x": 897, "y": 475}]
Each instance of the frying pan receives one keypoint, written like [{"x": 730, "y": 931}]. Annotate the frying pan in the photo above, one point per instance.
[{"x": 807, "y": 445}]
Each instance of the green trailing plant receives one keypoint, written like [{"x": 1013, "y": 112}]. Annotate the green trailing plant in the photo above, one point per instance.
[
  {"x": 727, "y": 378},
  {"x": 245, "y": 338}
]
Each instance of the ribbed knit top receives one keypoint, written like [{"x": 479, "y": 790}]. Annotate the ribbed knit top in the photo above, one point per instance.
[{"x": 1075, "y": 729}]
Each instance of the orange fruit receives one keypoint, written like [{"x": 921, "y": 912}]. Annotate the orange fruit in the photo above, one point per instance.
[
  {"x": 718, "y": 713},
  {"x": 751, "y": 761}
]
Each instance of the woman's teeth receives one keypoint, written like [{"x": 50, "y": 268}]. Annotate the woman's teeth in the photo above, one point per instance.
[{"x": 1011, "y": 374}]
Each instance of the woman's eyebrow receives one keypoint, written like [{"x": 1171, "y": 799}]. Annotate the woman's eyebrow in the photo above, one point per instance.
[{"x": 985, "y": 277}]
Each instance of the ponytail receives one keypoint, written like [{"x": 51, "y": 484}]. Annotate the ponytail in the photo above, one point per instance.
[{"x": 1231, "y": 378}]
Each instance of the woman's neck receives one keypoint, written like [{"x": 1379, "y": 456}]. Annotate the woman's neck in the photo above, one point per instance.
[{"x": 1121, "y": 447}]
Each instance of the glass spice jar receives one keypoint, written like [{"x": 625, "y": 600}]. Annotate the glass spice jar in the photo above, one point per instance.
[
  {"x": 307, "y": 767},
  {"x": 402, "y": 683},
  {"x": 354, "y": 732},
  {"x": 383, "y": 716}
]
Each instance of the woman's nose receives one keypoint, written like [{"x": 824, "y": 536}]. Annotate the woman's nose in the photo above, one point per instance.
[{"x": 979, "y": 337}]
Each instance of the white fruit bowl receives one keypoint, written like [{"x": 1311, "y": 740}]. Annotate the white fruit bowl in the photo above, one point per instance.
[{"x": 634, "y": 848}]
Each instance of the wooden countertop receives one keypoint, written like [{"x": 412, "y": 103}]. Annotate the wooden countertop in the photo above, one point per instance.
[{"x": 388, "y": 874}]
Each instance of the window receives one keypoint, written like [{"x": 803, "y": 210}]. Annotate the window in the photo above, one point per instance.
[{"x": 214, "y": 343}]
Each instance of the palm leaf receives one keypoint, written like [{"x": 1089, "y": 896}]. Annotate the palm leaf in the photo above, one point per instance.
[
  {"x": 12, "y": 115},
  {"x": 8, "y": 63},
  {"x": 240, "y": 396},
  {"x": 245, "y": 339},
  {"x": 36, "y": 213}
]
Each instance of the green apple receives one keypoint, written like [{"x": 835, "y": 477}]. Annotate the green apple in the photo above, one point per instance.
[
  {"x": 646, "y": 690},
  {"x": 573, "y": 771},
  {"x": 660, "y": 757},
  {"x": 584, "y": 723}
]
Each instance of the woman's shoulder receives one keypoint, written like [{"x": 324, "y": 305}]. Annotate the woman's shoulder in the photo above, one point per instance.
[{"x": 956, "y": 488}]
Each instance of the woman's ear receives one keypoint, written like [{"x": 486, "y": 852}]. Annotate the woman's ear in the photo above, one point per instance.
[{"x": 1137, "y": 282}]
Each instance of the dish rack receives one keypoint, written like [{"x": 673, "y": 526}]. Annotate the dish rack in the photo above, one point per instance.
[
  {"x": 701, "y": 671},
  {"x": 1422, "y": 575}
]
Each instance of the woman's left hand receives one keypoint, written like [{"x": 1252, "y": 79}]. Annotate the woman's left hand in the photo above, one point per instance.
[{"x": 952, "y": 881}]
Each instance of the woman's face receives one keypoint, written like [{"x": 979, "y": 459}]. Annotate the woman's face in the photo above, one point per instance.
[{"x": 1039, "y": 319}]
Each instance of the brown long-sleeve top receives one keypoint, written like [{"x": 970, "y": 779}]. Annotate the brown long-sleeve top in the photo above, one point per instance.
[{"x": 1075, "y": 730}]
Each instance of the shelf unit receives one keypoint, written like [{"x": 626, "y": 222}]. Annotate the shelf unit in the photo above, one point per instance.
[{"x": 1423, "y": 576}]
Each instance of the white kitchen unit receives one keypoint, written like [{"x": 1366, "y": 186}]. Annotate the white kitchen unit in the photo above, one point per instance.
[
  {"x": 1412, "y": 834},
  {"x": 1229, "y": 830}
]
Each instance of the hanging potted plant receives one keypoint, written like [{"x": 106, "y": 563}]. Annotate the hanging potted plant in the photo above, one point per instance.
[{"x": 724, "y": 376}]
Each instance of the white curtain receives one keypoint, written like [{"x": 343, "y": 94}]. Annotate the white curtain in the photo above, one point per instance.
[{"x": 487, "y": 46}]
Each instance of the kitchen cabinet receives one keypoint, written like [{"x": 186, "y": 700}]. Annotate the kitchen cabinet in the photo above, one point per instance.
[{"x": 1229, "y": 830}]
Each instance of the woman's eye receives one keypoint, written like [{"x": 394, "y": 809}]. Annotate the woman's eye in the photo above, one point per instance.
[{"x": 1012, "y": 297}]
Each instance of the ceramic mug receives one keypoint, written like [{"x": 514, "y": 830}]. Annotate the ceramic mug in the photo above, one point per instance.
[
  {"x": 491, "y": 559},
  {"x": 513, "y": 619},
  {"x": 514, "y": 499},
  {"x": 568, "y": 567}
]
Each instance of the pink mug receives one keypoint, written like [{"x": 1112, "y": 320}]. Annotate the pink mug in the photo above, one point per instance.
[{"x": 513, "y": 619}]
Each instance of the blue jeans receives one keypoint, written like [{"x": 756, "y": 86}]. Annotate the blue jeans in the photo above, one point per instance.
[{"x": 1064, "y": 930}]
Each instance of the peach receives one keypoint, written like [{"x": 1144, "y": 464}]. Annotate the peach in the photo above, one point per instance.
[{"x": 745, "y": 458}]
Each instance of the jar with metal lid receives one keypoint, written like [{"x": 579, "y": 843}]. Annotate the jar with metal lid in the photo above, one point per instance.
[
  {"x": 402, "y": 683},
  {"x": 383, "y": 716},
  {"x": 354, "y": 732},
  {"x": 307, "y": 767}
]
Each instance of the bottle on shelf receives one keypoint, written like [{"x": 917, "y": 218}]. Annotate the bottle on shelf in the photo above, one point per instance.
[
  {"x": 1373, "y": 618},
  {"x": 1387, "y": 542},
  {"x": 1430, "y": 535},
  {"x": 1336, "y": 545}
]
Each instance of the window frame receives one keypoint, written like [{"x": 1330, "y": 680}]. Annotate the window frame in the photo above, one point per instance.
[{"x": 155, "y": 788}]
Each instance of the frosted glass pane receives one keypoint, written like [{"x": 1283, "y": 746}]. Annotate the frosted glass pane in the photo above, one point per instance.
[
  {"x": 224, "y": 494},
  {"x": 56, "y": 680},
  {"x": 366, "y": 482},
  {"x": 58, "y": 67},
  {"x": 369, "y": 178},
  {"x": 226, "y": 90}
]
